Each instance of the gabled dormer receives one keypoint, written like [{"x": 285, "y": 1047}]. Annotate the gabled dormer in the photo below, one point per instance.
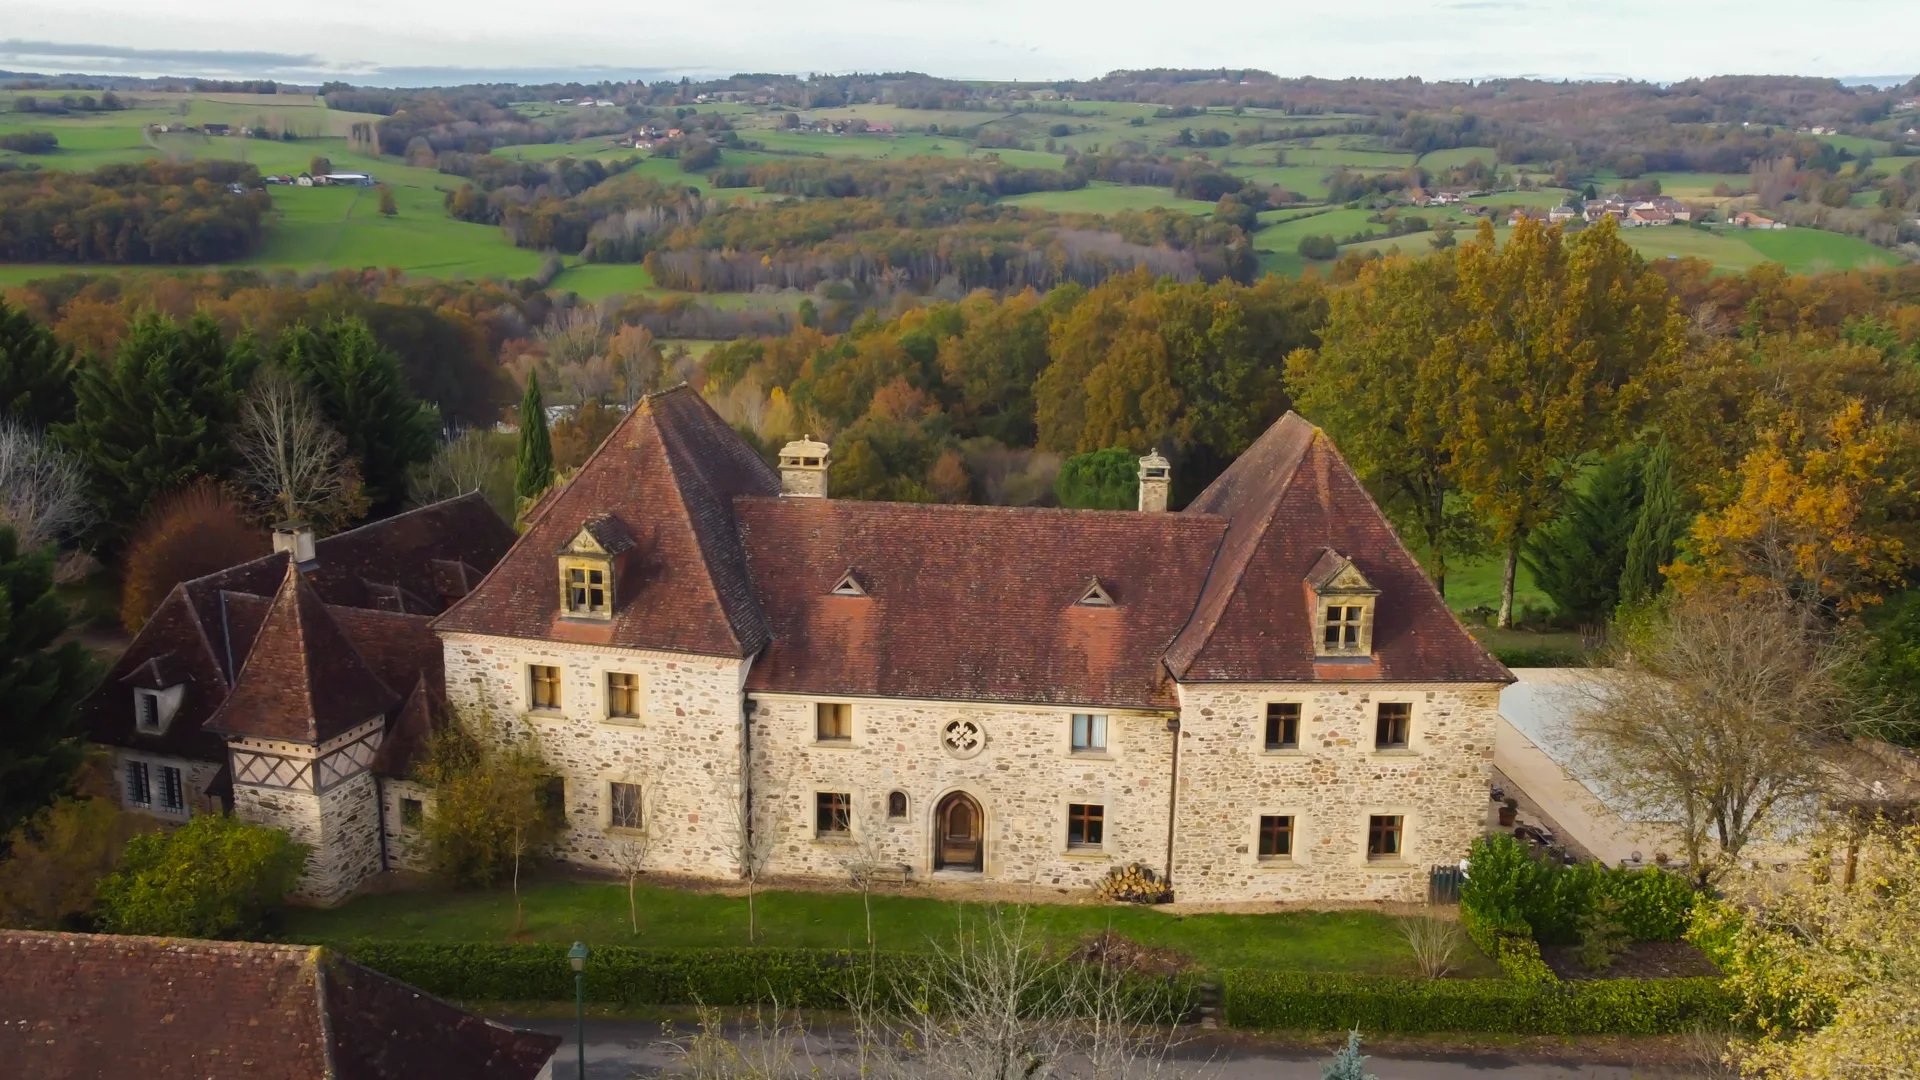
[
  {"x": 158, "y": 689},
  {"x": 589, "y": 567},
  {"x": 1342, "y": 602}
]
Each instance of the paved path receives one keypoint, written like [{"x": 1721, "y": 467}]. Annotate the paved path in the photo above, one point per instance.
[{"x": 619, "y": 1049}]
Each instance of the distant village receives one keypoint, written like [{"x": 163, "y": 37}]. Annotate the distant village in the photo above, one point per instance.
[{"x": 1629, "y": 212}]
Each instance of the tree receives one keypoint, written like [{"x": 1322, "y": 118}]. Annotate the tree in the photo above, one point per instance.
[
  {"x": 1715, "y": 712},
  {"x": 157, "y": 416},
  {"x": 41, "y": 683},
  {"x": 533, "y": 466},
  {"x": 363, "y": 395},
  {"x": 1824, "y": 971},
  {"x": 55, "y": 861},
  {"x": 43, "y": 488},
  {"x": 1349, "y": 1063},
  {"x": 1577, "y": 558},
  {"x": 489, "y": 809},
  {"x": 214, "y": 877},
  {"x": 294, "y": 467},
  {"x": 1318, "y": 247},
  {"x": 1557, "y": 345},
  {"x": 388, "y": 208},
  {"x": 185, "y": 534},
  {"x": 1657, "y": 528},
  {"x": 1102, "y": 480},
  {"x": 476, "y": 460},
  {"x": 574, "y": 439},
  {"x": 319, "y": 165},
  {"x": 36, "y": 372},
  {"x": 630, "y": 846},
  {"x": 749, "y": 839}
]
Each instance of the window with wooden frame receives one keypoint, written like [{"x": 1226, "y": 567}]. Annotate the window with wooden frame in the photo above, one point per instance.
[
  {"x": 623, "y": 806},
  {"x": 543, "y": 686},
  {"x": 832, "y": 721},
  {"x": 1089, "y": 733},
  {"x": 553, "y": 800},
  {"x": 1283, "y": 725},
  {"x": 897, "y": 805},
  {"x": 172, "y": 792},
  {"x": 623, "y": 695},
  {"x": 586, "y": 587},
  {"x": 1086, "y": 825},
  {"x": 832, "y": 814},
  {"x": 1342, "y": 633},
  {"x": 1276, "y": 836},
  {"x": 139, "y": 784},
  {"x": 1384, "y": 836},
  {"x": 1392, "y": 725}
]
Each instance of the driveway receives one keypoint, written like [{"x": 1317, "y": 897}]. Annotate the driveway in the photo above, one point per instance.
[{"x": 618, "y": 1049}]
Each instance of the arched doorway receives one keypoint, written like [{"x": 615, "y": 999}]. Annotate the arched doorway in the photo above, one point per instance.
[{"x": 959, "y": 833}]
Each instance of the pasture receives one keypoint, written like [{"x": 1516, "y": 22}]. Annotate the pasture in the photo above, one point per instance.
[
  {"x": 1099, "y": 197},
  {"x": 1437, "y": 160}
]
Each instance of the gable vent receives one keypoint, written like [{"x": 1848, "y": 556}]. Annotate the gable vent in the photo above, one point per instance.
[
  {"x": 849, "y": 586},
  {"x": 1095, "y": 596}
]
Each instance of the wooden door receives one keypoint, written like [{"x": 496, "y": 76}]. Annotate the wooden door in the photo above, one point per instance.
[{"x": 958, "y": 826}]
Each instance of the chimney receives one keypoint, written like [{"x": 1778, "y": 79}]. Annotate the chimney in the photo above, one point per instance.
[
  {"x": 1156, "y": 481},
  {"x": 803, "y": 468},
  {"x": 295, "y": 538}
]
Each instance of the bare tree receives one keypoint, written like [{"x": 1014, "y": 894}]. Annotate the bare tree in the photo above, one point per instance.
[
  {"x": 43, "y": 489},
  {"x": 749, "y": 840},
  {"x": 1718, "y": 712},
  {"x": 636, "y": 362},
  {"x": 475, "y": 460},
  {"x": 865, "y": 861},
  {"x": 573, "y": 336},
  {"x": 632, "y": 845},
  {"x": 292, "y": 464}
]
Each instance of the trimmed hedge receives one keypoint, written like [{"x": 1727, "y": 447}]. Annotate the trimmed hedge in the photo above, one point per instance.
[
  {"x": 1287, "y": 1001},
  {"x": 1517, "y": 954},
  {"x": 1519, "y": 894},
  {"x": 624, "y": 975}
]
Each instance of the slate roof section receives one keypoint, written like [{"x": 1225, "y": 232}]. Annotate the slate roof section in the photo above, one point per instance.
[
  {"x": 667, "y": 474},
  {"x": 975, "y": 603},
  {"x": 1286, "y": 500},
  {"x": 303, "y": 680},
  {"x": 203, "y": 631},
  {"x": 84, "y": 1006}
]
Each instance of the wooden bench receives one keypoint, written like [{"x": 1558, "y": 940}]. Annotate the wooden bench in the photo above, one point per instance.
[{"x": 884, "y": 873}]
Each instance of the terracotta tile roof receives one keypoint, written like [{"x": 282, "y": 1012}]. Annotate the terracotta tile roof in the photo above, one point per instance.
[
  {"x": 666, "y": 475},
  {"x": 303, "y": 680},
  {"x": 973, "y": 603},
  {"x": 205, "y": 627},
  {"x": 405, "y": 743},
  {"x": 83, "y": 1006},
  {"x": 1287, "y": 500}
]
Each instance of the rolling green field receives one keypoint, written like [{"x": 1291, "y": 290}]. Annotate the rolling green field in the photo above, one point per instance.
[
  {"x": 1104, "y": 198},
  {"x": 1436, "y": 160},
  {"x": 1684, "y": 185},
  {"x": 1541, "y": 199}
]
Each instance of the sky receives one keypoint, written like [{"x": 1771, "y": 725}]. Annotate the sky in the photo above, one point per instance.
[{"x": 415, "y": 42}]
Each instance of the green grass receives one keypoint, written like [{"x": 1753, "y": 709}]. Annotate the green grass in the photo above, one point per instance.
[
  {"x": 1437, "y": 160},
  {"x": 1541, "y": 199},
  {"x": 1807, "y": 250},
  {"x": 1103, "y": 198},
  {"x": 1350, "y": 941},
  {"x": 1285, "y": 236},
  {"x": 1475, "y": 582},
  {"x": 1699, "y": 185},
  {"x": 596, "y": 281}
]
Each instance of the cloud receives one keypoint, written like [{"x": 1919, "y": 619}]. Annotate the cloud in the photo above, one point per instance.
[{"x": 14, "y": 50}]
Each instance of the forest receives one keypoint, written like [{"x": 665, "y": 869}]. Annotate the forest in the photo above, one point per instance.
[{"x": 150, "y": 213}]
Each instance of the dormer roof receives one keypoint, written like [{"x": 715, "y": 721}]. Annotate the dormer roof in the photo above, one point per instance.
[
  {"x": 601, "y": 534},
  {"x": 1334, "y": 573}
]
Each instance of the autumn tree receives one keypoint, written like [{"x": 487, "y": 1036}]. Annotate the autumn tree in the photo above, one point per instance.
[
  {"x": 54, "y": 861},
  {"x": 363, "y": 395},
  {"x": 158, "y": 415},
  {"x": 1558, "y": 342},
  {"x": 579, "y": 435},
  {"x": 388, "y": 208},
  {"x": 292, "y": 465},
  {"x": 184, "y": 534},
  {"x": 36, "y": 372},
  {"x": 489, "y": 811},
  {"x": 41, "y": 684},
  {"x": 214, "y": 877}
]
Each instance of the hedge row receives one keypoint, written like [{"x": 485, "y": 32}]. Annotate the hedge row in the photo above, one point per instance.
[
  {"x": 1510, "y": 947},
  {"x": 623, "y": 975},
  {"x": 1286, "y": 1001}
]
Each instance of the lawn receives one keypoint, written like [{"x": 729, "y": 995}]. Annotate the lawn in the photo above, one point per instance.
[
  {"x": 563, "y": 911},
  {"x": 1807, "y": 250},
  {"x": 596, "y": 281},
  {"x": 1475, "y": 582},
  {"x": 1100, "y": 197}
]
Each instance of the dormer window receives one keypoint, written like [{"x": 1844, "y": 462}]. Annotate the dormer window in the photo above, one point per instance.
[
  {"x": 154, "y": 700},
  {"x": 146, "y": 710},
  {"x": 588, "y": 563},
  {"x": 1343, "y": 606}
]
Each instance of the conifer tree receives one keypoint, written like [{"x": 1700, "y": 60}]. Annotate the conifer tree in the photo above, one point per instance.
[
  {"x": 36, "y": 372},
  {"x": 533, "y": 470},
  {"x": 1656, "y": 531},
  {"x": 364, "y": 396},
  {"x": 40, "y": 685},
  {"x": 1578, "y": 557},
  {"x": 159, "y": 414},
  {"x": 1349, "y": 1063}
]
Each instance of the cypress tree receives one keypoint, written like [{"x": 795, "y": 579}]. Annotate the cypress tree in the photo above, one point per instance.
[
  {"x": 161, "y": 413},
  {"x": 36, "y": 371},
  {"x": 1577, "y": 557},
  {"x": 1656, "y": 530},
  {"x": 533, "y": 468},
  {"x": 40, "y": 686},
  {"x": 364, "y": 396}
]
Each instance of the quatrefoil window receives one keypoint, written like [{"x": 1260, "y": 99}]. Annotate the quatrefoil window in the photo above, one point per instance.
[{"x": 963, "y": 738}]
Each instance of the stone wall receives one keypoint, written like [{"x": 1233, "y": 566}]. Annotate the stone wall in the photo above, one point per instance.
[
  {"x": 684, "y": 750},
  {"x": 195, "y": 775},
  {"x": 1331, "y": 785},
  {"x": 406, "y": 844},
  {"x": 340, "y": 827},
  {"x": 1023, "y": 774}
]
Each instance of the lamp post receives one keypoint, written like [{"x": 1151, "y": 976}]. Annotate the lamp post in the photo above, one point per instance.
[{"x": 577, "y": 956}]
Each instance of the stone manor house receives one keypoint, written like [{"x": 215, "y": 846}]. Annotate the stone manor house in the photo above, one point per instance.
[{"x": 1261, "y": 696}]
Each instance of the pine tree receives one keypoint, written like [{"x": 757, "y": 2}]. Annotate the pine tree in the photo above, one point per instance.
[
  {"x": 1577, "y": 558},
  {"x": 36, "y": 371},
  {"x": 40, "y": 686},
  {"x": 533, "y": 470},
  {"x": 1656, "y": 531},
  {"x": 364, "y": 395},
  {"x": 159, "y": 414},
  {"x": 1349, "y": 1063}
]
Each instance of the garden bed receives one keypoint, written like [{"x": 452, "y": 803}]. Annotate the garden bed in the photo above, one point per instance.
[{"x": 1641, "y": 960}]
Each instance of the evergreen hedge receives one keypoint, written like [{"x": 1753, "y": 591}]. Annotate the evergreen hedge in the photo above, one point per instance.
[{"x": 1262, "y": 1000}]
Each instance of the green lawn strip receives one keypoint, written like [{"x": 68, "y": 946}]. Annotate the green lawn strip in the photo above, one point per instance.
[
  {"x": 558, "y": 912},
  {"x": 1100, "y": 197}
]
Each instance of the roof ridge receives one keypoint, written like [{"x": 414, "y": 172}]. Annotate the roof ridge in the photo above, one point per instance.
[{"x": 1176, "y": 520}]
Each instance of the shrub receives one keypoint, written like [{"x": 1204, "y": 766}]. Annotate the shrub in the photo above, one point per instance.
[
  {"x": 214, "y": 877},
  {"x": 1512, "y": 892},
  {"x": 1602, "y": 935},
  {"x": 1264, "y": 1000}
]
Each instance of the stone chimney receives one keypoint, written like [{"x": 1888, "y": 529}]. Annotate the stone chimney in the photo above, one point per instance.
[
  {"x": 803, "y": 468},
  {"x": 1156, "y": 482},
  {"x": 295, "y": 538}
]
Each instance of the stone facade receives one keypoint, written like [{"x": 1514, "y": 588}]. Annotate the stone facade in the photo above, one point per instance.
[
  {"x": 684, "y": 749},
  {"x": 195, "y": 775},
  {"x": 1331, "y": 785},
  {"x": 405, "y": 844},
  {"x": 338, "y": 820},
  {"x": 1023, "y": 774}
]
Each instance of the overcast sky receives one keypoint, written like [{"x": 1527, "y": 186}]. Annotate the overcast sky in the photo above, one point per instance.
[{"x": 423, "y": 40}]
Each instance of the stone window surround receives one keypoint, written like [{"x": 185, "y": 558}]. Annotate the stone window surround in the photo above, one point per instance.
[
  {"x": 164, "y": 704},
  {"x": 605, "y": 815},
  {"x": 1109, "y": 842},
  {"x": 852, "y": 739},
  {"x": 560, "y": 687},
  {"x": 1295, "y": 860},
  {"x": 154, "y": 804},
  {"x": 410, "y": 807},
  {"x": 1103, "y": 752},
  {"x": 1299, "y": 748},
  {"x": 604, "y": 707},
  {"x": 1371, "y": 704},
  {"x": 1384, "y": 863},
  {"x": 812, "y": 809},
  {"x": 572, "y": 561}
]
